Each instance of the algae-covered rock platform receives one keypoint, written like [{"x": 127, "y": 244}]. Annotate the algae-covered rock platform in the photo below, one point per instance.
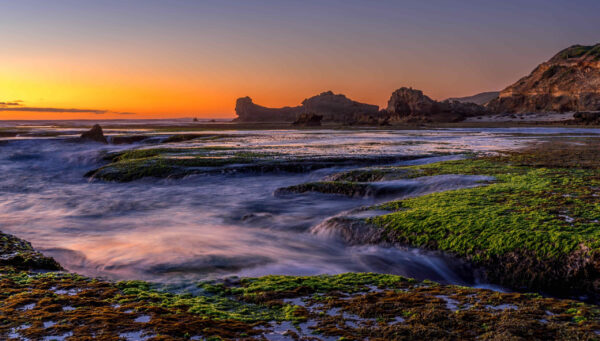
[
  {"x": 40, "y": 303},
  {"x": 522, "y": 226}
]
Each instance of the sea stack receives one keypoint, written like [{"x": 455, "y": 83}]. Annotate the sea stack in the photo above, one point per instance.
[{"x": 94, "y": 134}]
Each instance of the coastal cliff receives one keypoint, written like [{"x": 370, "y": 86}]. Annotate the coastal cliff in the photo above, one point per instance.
[{"x": 569, "y": 81}]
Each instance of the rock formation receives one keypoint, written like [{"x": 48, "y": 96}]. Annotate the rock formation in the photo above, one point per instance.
[
  {"x": 481, "y": 98},
  {"x": 333, "y": 107},
  {"x": 94, "y": 134},
  {"x": 247, "y": 111},
  {"x": 411, "y": 105},
  {"x": 336, "y": 107},
  {"x": 569, "y": 81},
  {"x": 308, "y": 120}
]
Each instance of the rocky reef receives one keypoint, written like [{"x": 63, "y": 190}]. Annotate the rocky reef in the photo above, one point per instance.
[
  {"x": 569, "y": 81},
  {"x": 58, "y": 305},
  {"x": 333, "y": 107}
]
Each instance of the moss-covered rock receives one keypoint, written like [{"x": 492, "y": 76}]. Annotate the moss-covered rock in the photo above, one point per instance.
[
  {"x": 19, "y": 254},
  {"x": 178, "y": 162},
  {"x": 352, "y": 306},
  {"x": 535, "y": 228}
]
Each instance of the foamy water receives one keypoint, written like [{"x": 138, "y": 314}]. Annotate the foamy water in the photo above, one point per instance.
[{"x": 208, "y": 226}]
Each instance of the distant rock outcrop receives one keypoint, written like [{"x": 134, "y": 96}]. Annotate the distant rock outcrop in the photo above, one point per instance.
[
  {"x": 569, "y": 81},
  {"x": 333, "y": 107},
  {"x": 411, "y": 105},
  {"x": 308, "y": 120},
  {"x": 336, "y": 107},
  {"x": 481, "y": 98},
  {"x": 94, "y": 134}
]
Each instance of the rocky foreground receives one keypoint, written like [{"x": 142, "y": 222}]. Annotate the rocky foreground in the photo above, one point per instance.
[
  {"x": 536, "y": 226},
  {"x": 40, "y": 302}
]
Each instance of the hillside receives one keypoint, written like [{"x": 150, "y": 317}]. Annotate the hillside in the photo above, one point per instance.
[{"x": 569, "y": 81}]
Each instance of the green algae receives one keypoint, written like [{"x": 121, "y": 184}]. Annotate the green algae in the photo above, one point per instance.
[
  {"x": 352, "y": 306},
  {"x": 536, "y": 226},
  {"x": 178, "y": 162},
  {"x": 548, "y": 211}
]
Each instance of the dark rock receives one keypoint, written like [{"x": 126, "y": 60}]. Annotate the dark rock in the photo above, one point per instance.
[
  {"x": 381, "y": 118},
  {"x": 94, "y": 134},
  {"x": 19, "y": 254},
  {"x": 308, "y": 120},
  {"x": 333, "y": 108},
  {"x": 336, "y": 107},
  {"x": 411, "y": 105},
  {"x": 247, "y": 111},
  {"x": 587, "y": 118}
]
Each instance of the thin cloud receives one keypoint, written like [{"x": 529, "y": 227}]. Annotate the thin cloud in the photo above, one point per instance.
[
  {"x": 16, "y": 106},
  {"x": 36, "y": 109},
  {"x": 10, "y": 104}
]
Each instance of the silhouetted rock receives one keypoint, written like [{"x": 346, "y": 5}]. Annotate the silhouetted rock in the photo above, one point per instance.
[
  {"x": 569, "y": 81},
  {"x": 411, "y": 105},
  {"x": 308, "y": 120},
  {"x": 94, "y": 134},
  {"x": 247, "y": 111},
  {"x": 336, "y": 107},
  {"x": 333, "y": 107},
  {"x": 587, "y": 118}
]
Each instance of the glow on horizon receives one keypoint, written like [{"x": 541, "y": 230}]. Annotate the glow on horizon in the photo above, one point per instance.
[{"x": 150, "y": 59}]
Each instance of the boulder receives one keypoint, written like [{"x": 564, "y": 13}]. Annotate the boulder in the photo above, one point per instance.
[{"x": 94, "y": 134}]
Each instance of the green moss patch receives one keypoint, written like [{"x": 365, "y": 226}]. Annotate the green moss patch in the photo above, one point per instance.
[{"x": 536, "y": 227}]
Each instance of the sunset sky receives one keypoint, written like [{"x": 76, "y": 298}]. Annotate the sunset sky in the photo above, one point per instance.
[{"x": 159, "y": 59}]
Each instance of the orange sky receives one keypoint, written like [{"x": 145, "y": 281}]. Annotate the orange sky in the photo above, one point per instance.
[{"x": 149, "y": 59}]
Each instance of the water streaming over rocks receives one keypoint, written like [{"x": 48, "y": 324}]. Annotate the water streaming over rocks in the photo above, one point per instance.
[{"x": 213, "y": 225}]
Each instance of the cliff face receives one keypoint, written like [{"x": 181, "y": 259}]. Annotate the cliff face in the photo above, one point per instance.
[
  {"x": 332, "y": 107},
  {"x": 407, "y": 104},
  {"x": 569, "y": 81}
]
